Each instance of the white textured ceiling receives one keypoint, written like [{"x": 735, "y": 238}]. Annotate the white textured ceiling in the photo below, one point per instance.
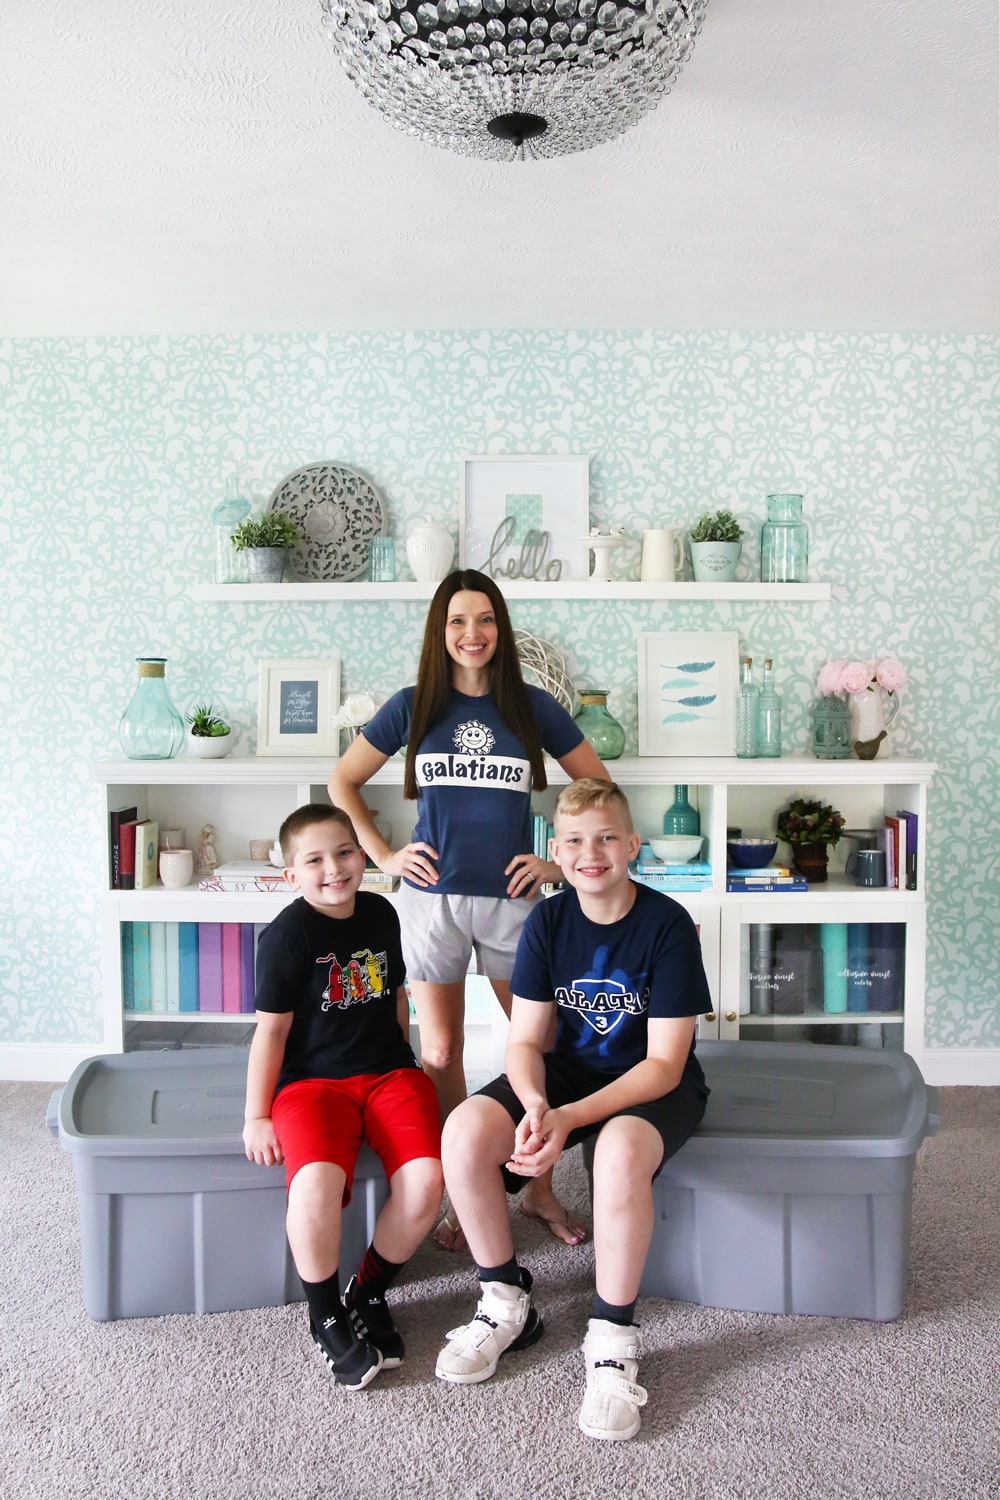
[{"x": 203, "y": 166}]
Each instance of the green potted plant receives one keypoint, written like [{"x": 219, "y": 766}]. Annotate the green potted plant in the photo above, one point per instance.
[
  {"x": 209, "y": 736},
  {"x": 715, "y": 541},
  {"x": 266, "y": 540},
  {"x": 811, "y": 827}
]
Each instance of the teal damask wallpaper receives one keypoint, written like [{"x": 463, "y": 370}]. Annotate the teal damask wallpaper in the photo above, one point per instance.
[{"x": 114, "y": 452}]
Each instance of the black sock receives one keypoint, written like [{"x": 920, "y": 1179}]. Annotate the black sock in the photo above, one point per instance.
[
  {"x": 509, "y": 1273},
  {"x": 327, "y": 1310},
  {"x": 377, "y": 1274},
  {"x": 610, "y": 1312}
]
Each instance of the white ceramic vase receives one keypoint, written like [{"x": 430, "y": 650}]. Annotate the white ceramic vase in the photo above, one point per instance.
[
  {"x": 176, "y": 868},
  {"x": 209, "y": 746},
  {"x": 872, "y": 711},
  {"x": 430, "y": 548}
]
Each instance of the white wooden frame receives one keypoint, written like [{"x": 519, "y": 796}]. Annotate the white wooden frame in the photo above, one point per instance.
[
  {"x": 296, "y": 704},
  {"x": 687, "y": 692},
  {"x": 562, "y": 481}
]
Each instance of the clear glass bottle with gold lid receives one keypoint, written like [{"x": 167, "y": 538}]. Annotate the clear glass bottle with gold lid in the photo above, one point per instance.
[{"x": 151, "y": 728}]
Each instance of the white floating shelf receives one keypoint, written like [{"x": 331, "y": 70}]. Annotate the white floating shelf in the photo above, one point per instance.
[{"x": 592, "y": 589}]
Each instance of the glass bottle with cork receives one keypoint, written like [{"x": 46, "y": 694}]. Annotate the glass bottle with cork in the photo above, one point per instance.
[
  {"x": 769, "y": 715},
  {"x": 747, "y": 718}
]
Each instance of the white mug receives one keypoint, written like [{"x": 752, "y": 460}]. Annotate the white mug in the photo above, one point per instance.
[
  {"x": 662, "y": 556},
  {"x": 176, "y": 868}
]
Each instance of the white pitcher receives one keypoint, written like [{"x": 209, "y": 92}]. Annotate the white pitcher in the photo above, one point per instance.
[
  {"x": 430, "y": 548},
  {"x": 662, "y": 556}
]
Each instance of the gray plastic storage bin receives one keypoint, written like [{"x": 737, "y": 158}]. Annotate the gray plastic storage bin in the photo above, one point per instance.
[
  {"x": 794, "y": 1195},
  {"x": 173, "y": 1218}
]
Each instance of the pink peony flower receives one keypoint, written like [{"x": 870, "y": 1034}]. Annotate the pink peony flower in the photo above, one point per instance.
[
  {"x": 856, "y": 676},
  {"x": 830, "y": 679},
  {"x": 890, "y": 675}
]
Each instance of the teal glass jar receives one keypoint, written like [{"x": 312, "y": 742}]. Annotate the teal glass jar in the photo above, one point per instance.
[
  {"x": 599, "y": 726},
  {"x": 784, "y": 542},
  {"x": 680, "y": 816},
  {"x": 230, "y": 565},
  {"x": 151, "y": 728},
  {"x": 831, "y": 728}
]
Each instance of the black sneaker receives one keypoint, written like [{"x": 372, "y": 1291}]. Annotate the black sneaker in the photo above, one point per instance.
[
  {"x": 354, "y": 1366},
  {"x": 372, "y": 1320}
]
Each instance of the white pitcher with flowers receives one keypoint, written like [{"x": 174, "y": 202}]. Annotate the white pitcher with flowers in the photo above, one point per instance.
[{"x": 871, "y": 689}]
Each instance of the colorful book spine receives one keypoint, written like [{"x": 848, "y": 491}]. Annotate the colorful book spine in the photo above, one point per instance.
[
  {"x": 158, "y": 967},
  {"x": 231, "y": 968},
  {"x": 859, "y": 978},
  {"x": 248, "y": 951},
  {"x": 128, "y": 967},
  {"x": 147, "y": 835},
  {"x": 762, "y": 872},
  {"x": 833, "y": 942},
  {"x": 743, "y": 888},
  {"x": 187, "y": 962},
  {"x": 117, "y": 817},
  {"x": 126, "y": 854},
  {"x": 141, "y": 992},
  {"x": 171, "y": 933},
  {"x": 210, "y": 966},
  {"x": 911, "y": 820}
]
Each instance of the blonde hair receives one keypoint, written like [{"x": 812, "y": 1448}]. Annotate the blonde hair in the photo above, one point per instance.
[{"x": 589, "y": 791}]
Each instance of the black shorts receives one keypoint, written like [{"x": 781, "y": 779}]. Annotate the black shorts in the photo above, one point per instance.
[{"x": 676, "y": 1116}]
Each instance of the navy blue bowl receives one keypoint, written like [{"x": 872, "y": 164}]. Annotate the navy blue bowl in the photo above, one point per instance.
[{"x": 751, "y": 854}]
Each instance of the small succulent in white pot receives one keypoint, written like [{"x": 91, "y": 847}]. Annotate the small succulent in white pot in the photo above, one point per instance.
[
  {"x": 209, "y": 736},
  {"x": 715, "y": 542}
]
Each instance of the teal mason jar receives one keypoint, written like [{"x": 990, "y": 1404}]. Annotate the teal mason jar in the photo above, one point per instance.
[
  {"x": 599, "y": 727},
  {"x": 151, "y": 728},
  {"x": 784, "y": 542}
]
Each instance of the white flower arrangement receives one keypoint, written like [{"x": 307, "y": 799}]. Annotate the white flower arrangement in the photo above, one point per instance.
[{"x": 357, "y": 709}]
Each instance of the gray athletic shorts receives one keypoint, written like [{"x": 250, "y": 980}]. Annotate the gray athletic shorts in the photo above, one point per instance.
[{"x": 440, "y": 933}]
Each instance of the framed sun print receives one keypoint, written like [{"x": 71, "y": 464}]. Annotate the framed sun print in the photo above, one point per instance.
[
  {"x": 509, "y": 500},
  {"x": 296, "y": 704},
  {"x": 687, "y": 693}
]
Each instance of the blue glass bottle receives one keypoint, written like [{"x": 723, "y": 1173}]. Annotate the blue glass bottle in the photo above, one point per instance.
[
  {"x": 151, "y": 728},
  {"x": 784, "y": 541}
]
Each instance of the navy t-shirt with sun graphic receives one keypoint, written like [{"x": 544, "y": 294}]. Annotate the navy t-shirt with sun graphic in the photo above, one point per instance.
[
  {"x": 608, "y": 980},
  {"x": 474, "y": 779}
]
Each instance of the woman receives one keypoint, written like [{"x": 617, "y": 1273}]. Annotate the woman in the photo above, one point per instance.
[{"x": 474, "y": 733}]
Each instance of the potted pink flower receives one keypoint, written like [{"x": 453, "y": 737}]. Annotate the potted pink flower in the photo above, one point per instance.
[{"x": 870, "y": 688}]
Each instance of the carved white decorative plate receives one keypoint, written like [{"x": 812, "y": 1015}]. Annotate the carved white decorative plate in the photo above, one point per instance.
[{"x": 338, "y": 510}]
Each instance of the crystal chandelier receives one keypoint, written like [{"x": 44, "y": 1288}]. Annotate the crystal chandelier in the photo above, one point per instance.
[{"x": 513, "y": 78}]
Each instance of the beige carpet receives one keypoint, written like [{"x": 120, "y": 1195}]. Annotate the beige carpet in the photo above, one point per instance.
[{"x": 237, "y": 1405}]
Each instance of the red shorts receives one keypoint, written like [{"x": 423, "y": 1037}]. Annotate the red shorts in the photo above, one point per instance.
[{"x": 327, "y": 1119}]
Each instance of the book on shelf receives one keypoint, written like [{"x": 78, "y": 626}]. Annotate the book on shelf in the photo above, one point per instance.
[
  {"x": 833, "y": 943},
  {"x": 245, "y": 875},
  {"x": 116, "y": 817},
  {"x": 646, "y": 863},
  {"x": 248, "y": 959},
  {"x": 126, "y": 853},
  {"x": 764, "y": 872},
  {"x": 232, "y": 971},
  {"x": 897, "y": 842},
  {"x": 210, "y": 966},
  {"x": 375, "y": 879},
  {"x": 172, "y": 944},
  {"x": 667, "y": 884},
  {"x": 789, "y": 884},
  {"x": 128, "y": 969},
  {"x": 147, "y": 836},
  {"x": 141, "y": 993},
  {"x": 158, "y": 967},
  {"x": 911, "y": 820},
  {"x": 187, "y": 964}
]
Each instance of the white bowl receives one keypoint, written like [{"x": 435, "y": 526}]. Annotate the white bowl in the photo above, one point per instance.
[{"x": 675, "y": 848}]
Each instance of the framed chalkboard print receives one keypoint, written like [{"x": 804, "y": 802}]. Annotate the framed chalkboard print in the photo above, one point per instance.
[{"x": 296, "y": 706}]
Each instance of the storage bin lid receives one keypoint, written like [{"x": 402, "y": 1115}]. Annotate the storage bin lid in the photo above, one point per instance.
[
  {"x": 156, "y": 1103},
  {"x": 812, "y": 1098}
]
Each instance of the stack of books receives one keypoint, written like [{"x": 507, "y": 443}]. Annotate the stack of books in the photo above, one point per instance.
[
  {"x": 245, "y": 875},
  {"x": 767, "y": 878},
  {"x": 542, "y": 831},
  {"x": 648, "y": 870},
  {"x": 205, "y": 967}
]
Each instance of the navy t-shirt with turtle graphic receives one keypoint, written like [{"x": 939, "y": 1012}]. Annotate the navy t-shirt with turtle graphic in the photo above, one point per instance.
[
  {"x": 474, "y": 780},
  {"x": 609, "y": 979}
]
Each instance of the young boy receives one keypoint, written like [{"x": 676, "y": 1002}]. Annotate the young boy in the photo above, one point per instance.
[
  {"x": 622, "y": 966},
  {"x": 330, "y": 1065}
]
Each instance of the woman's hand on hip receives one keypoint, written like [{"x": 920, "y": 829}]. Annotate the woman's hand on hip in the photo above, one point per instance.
[
  {"x": 526, "y": 872},
  {"x": 415, "y": 861}
]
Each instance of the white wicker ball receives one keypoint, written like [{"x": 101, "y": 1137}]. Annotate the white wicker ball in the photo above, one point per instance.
[{"x": 545, "y": 663}]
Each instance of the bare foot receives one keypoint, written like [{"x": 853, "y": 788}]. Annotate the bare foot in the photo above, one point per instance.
[{"x": 549, "y": 1211}]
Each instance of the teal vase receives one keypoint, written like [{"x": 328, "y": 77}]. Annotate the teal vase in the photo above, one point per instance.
[
  {"x": 151, "y": 728},
  {"x": 599, "y": 727},
  {"x": 680, "y": 816}
]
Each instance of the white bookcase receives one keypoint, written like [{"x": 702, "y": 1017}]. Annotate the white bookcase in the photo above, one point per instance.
[{"x": 247, "y": 797}]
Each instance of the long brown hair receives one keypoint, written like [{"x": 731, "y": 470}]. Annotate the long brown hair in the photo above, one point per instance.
[{"x": 434, "y": 676}]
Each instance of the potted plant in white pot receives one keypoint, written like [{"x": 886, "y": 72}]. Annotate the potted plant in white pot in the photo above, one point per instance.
[
  {"x": 209, "y": 736},
  {"x": 266, "y": 540},
  {"x": 715, "y": 541}
]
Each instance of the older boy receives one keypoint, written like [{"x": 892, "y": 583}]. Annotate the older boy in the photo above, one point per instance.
[
  {"x": 330, "y": 1065},
  {"x": 622, "y": 966}
]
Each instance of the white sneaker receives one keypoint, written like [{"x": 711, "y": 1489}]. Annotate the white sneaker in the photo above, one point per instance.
[
  {"x": 505, "y": 1320},
  {"x": 611, "y": 1404}
]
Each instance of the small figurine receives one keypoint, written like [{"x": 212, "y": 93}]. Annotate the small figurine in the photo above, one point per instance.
[{"x": 207, "y": 857}]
